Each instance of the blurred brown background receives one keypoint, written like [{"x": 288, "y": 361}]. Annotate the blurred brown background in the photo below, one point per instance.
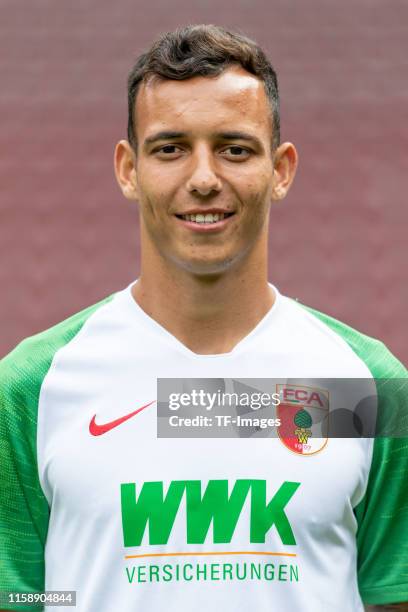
[{"x": 67, "y": 237}]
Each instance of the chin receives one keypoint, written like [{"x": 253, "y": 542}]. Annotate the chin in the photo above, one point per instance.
[{"x": 207, "y": 267}]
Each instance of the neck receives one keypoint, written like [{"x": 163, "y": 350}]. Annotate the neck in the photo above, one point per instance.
[{"x": 209, "y": 315}]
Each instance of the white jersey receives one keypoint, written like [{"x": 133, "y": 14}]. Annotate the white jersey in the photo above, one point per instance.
[{"x": 91, "y": 500}]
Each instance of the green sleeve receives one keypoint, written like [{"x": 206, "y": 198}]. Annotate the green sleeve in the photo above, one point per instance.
[
  {"x": 382, "y": 514},
  {"x": 24, "y": 510}
]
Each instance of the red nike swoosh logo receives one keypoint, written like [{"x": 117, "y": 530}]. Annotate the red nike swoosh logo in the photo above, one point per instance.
[{"x": 98, "y": 430}]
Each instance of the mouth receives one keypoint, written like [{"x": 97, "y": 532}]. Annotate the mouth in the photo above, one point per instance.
[{"x": 206, "y": 219}]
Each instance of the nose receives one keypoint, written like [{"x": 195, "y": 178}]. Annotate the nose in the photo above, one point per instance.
[{"x": 203, "y": 178}]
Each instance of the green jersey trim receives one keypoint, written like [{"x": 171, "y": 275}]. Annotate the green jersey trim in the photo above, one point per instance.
[
  {"x": 382, "y": 514},
  {"x": 24, "y": 510}
]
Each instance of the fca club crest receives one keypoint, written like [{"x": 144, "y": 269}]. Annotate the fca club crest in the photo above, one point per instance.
[{"x": 304, "y": 416}]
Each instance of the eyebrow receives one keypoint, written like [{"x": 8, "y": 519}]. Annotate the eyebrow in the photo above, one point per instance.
[{"x": 172, "y": 135}]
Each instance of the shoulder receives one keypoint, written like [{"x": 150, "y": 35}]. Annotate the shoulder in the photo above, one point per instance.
[
  {"x": 24, "y": 368},
  {"x": 372, "y": 351}
]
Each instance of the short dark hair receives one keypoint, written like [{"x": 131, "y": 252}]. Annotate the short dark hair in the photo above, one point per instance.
[{"x": 201, "y": 50}]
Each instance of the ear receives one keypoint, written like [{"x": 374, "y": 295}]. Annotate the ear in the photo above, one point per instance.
[
  {"x": 285, "y": 164},
  {"x": 125, "y": 169}
]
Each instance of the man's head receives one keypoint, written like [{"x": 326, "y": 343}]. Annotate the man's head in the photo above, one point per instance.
[
  {"x": 203, "y": 157},
  {"x": 202, "y": 50}
]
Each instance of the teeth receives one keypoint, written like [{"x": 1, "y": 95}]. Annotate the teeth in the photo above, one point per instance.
[{"x": 207, "y": 218}]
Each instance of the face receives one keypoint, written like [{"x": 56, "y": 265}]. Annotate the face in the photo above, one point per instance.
[{"x": 204, "y": 173}]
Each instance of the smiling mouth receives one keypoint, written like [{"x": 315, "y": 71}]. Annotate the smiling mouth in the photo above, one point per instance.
[{"x": 206, "y": 218}]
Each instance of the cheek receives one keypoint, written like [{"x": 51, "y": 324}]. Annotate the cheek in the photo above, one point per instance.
[
  {"x": 258, "y": 196},
  {"x": 147, "y": 206},
  {"x": 154, "y": 173},
  {"x": 156, "y": 192},
  {"x": 256, "y": 210},
  {"x": 152, "y": 197},
  {"x": 255, "y": 184}
]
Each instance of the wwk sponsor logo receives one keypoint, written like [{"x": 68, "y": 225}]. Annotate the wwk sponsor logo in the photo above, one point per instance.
[{"x": 153, "y": 509}]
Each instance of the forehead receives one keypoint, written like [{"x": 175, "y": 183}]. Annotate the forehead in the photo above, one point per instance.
[{"x": 235, "y": 98}]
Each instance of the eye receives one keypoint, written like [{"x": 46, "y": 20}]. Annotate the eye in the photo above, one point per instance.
[
  {"x": 236, "y": 152},
  {"x": 168, "y": 148},
  {"x": 168, "y": 151}
]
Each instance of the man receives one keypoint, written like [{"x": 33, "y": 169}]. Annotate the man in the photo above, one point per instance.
[{"x": 91, "y": 499}]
